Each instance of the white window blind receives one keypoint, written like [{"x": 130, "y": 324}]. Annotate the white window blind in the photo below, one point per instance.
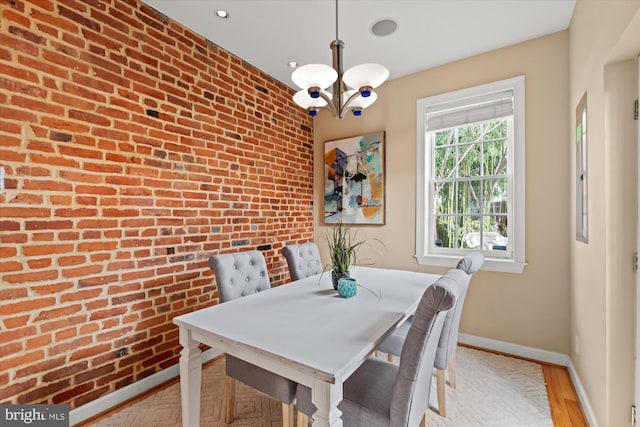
[{"x": 470, "y": 110}]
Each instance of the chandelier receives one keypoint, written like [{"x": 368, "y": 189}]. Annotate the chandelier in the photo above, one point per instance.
[{"x": 352, "y": 90}]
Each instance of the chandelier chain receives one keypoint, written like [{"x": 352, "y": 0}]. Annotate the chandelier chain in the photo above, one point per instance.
[{"x": 337, "y": 20}]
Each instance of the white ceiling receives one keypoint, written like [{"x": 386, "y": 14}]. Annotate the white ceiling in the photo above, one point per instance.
[{"x": 270, "y": 33}]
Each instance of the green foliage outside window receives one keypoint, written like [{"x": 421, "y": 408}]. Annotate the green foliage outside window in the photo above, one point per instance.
[{"x": 471, "y": 186}]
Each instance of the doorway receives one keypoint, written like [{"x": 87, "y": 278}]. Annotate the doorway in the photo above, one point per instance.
[{"x": 637, "y": 398}]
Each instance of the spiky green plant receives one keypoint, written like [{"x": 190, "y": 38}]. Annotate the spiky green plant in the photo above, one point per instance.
[{"x": 343, "y": 248}]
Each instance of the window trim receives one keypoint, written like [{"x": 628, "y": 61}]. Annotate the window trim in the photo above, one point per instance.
[{"x": 424, "y": 255}]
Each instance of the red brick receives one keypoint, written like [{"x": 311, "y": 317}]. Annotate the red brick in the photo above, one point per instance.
[
  {"x": 7, "y": 293},
  {"x": 67, "y": 347},
  {"x": 39, "y": 393},
  {"x": 38, "y": 341},
  {"x": 16, "y": 388},
  {"x": 10, "y": 266},
  {"x": 79, "y": 18},
  {"x": 22, "y": 359},
  {"x": 104, "y": 314},
  {"x": 25, "y": 306},
  {"x": 18, "y": 73},
  {"x": 16, "y": 334},
  {"x": 30, "y": 277},
  {"x": 63, "y": 323},
  {"x": 66, "y": 334},
  {"x": 52, "y": 288},
  {"x": 39, "y": 263},
  {"x": 89, "y": 328},
  {"x": 71, "y": 260},
  {"x": 120, "y": 185},
  {"x": 84, "y": 294},
  {"x": 46, "y": 185},
  {"x": 89, "y": 352},
  {"x": 16, "y": 322},
  {"x": 38, "y": 250},
  {"x": 13, "y": 238},
  {"x": 17, "y": 18},
  {"x": 58, "y": 312},
  {"x": 48, "y": 225},
  {"x": 65, "y": 371},
  {"x": 34, "y": 105},
  {"x": 96, "y": 281},
  {"x": 81, "y": 271},
  {"x": 23, "y": 87},
  {"x": 80, "y": 212},
  {"x": 97, "y": 246}
]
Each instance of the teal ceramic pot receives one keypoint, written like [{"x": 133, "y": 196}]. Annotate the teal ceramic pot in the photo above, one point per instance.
[{"x": 347, "y": 287}]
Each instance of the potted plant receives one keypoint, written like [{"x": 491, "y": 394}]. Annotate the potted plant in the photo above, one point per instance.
[{"x": 343, "y": 250}]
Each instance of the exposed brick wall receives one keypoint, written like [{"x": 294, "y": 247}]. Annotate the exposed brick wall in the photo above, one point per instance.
[{"x": 133, "y": 150}]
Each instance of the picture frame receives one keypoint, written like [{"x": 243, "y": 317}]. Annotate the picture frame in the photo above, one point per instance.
[{"x": 354, "y": 177}]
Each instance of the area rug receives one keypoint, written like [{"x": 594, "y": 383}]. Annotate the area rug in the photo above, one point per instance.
[{"x": 492, "y": 390}]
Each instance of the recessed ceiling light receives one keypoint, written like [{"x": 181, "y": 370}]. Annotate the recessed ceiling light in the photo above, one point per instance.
[
  {"x": 222, "y": 14},
  {"x": 384, "y": 27},
  {"x": 292, "y": 64}
]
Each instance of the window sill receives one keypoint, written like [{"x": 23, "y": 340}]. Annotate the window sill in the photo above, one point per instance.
[{"x": 490, "y": 264}]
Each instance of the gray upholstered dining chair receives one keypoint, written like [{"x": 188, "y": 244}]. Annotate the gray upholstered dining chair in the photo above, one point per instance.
[
  {"x": 445, "y": 356},
  {"x": 380, "y": 393},
  {"x": 303, "y": 260},
  {"x": 239, "y": 275}
]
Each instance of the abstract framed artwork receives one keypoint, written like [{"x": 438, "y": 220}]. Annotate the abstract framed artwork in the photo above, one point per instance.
[{"x": 354, "y": 181}]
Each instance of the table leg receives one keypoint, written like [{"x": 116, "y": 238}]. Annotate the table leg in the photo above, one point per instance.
[
  {"x": 190, "y": 379},
  {"x": 326, "y": 397}
]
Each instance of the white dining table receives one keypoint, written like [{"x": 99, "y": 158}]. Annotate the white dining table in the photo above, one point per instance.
[{"x": 303, "y": 331}]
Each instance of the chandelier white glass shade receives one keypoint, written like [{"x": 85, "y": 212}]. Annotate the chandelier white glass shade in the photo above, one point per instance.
[{"x": 352, "y": 90}]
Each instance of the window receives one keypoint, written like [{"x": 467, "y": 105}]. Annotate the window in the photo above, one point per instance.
[{"x": 471, "y": 176}]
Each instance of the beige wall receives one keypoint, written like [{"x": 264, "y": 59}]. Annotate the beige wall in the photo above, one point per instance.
[
  {"x": 603, "y": 283},
  {"x": 621, "y": 201},
  {"x": 530, "y": 309},
  {"x": 573, "y": 297}
]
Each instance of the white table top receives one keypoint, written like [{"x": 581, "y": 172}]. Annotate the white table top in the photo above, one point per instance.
[{"x": 307, "y": 327}]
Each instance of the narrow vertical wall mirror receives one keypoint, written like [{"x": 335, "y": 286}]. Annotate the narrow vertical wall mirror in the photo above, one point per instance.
[{"x": 582, "y": 231}]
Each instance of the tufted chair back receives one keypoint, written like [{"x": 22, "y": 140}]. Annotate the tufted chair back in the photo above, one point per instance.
[
  {"x": 410, "y": 398},
  {"x": 240, "y": 274},
  {"x": 303, "y": 260}
]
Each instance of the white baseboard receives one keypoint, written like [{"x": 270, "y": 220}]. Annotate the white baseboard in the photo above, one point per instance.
[
  {"x": 582, "y": 395},
  {"x": 540, "y": 355},
  {"x": 117, "y": 397},
  {"x": 515, "y": 349}
]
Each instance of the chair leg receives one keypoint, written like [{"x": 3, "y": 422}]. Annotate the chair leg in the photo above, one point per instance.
[
  {"x": 440, "y": 387},
  {"x": 230, "y": 398},
  {"x": 452, "y": 371},
  {"x": 423, "y": 422},
  {"x": 287, "y": 415},
  {"x": 303, "y": 420},
  {"x": 389, "y": 357}
]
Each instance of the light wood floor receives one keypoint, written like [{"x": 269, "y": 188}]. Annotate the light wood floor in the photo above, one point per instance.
[{"x": 563, "y": 399}]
